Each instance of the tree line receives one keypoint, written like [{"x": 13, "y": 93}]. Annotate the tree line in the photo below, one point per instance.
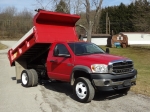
[
  {"x": 14, "y": 24},
  {"x": 134, "y": 17}
]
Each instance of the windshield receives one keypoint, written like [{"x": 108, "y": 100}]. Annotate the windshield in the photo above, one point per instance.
[{"x": 84, "y": 48}]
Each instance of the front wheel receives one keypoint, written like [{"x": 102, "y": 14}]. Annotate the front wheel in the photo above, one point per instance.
[{"x": 83, "y": 90}]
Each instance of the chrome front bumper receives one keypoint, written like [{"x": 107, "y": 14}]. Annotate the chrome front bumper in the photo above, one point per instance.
[{"x": 109, "y": 82}]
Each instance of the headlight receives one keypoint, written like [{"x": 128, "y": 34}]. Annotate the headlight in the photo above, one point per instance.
[{"x": 99, "y": 68}]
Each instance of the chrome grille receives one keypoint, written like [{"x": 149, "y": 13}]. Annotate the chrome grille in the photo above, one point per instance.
[{"x": 121, "y": 67}]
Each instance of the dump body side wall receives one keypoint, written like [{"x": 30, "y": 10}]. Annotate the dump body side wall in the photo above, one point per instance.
[{"x": 48, "y": 27}]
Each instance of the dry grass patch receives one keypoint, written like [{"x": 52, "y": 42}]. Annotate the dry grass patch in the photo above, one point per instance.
[{"x": 2, "y": 46}]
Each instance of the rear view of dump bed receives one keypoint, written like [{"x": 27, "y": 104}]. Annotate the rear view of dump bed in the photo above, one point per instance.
[{"x": 48, "y": 28}]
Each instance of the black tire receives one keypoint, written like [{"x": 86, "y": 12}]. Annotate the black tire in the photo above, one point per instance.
[
  {"x": 26, "y": 78},
  {"x": 83, "y": 90},
  {"x": 123, "y": 91},
  {"x": 34, "y": 77}
]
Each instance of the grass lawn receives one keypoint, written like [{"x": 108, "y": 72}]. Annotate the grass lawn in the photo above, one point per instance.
[
  {"x": 141, "y": 58},
  {"x": 2, "y": 46}
]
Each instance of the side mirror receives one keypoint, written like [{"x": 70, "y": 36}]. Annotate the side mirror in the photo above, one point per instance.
[
  {"x": 107, "y": 50},
  {"x": 56, "y": 52}
]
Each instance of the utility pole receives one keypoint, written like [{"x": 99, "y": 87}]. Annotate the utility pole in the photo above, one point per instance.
[
  {"x": 112, "y": 33},
  {"x": 107, "y": 23}
]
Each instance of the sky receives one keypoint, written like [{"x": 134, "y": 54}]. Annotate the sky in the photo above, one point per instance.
[{"x": 31, "y": 4}]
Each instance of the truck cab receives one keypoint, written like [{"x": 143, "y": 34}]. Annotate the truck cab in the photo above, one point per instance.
[
  {"x": 51, "y": 50},
  {"x": 82, "y": 60}
]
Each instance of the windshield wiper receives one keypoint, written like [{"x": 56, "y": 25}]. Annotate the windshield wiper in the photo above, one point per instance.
[
  {"x": 97, "y": 52},
  {"x": 84, "y": 54},
  {"x": 90, "y": 53}
]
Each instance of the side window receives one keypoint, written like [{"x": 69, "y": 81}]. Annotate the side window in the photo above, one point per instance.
[{"x": 62, "y": 50}]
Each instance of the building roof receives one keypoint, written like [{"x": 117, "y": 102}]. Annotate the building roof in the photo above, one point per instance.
[
  {"x": 134, "y": 33},
  {"x": 97, "y": 35}
]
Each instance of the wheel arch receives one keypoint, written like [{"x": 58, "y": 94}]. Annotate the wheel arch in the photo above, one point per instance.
[{"x": 80, "y": 71}]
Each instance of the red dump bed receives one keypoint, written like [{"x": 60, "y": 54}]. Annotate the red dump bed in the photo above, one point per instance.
[{"x": 48, "y": 28}]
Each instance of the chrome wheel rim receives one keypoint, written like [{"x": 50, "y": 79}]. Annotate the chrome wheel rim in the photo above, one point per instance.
[
  {"x": 81, "y": 90},
  {"x": 24, "y": 78}
]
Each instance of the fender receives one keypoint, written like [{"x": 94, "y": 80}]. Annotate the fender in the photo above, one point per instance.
[{"x": 79, "y": 68}]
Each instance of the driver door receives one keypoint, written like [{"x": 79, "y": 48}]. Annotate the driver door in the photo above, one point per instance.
[{"x": 60, "y": 64}]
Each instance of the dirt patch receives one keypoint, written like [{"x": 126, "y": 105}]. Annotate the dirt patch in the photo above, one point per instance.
[{"x": 2, "y": 46}]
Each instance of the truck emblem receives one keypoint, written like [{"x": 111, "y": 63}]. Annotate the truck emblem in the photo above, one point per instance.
[{"x": 124, "y": 61}]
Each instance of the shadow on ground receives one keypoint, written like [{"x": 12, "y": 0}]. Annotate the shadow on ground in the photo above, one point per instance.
[
  {"x": 14, "y": 78},
  {"x": 66, "y": 88}
]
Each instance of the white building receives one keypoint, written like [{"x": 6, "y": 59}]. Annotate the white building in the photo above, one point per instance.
[
  {"x": 135, "y": 38},
  {"x": 99, "y": 39}
]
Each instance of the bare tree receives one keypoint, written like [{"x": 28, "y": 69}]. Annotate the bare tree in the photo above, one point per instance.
[
  {"x": 76, "y": 6},
  {"x": 10, "y": 11},
  {"x": 92, "y": 20},
  {"x": 14, "y": 24},
  {"x": 43, "y": 4},
  {"x": 92, "y": 10}
]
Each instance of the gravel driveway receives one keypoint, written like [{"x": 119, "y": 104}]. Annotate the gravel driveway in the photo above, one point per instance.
[{"x": 58, "y": 97}]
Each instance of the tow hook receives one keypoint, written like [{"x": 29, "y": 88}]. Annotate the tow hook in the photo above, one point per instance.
[{"x": 115, "y": 88}]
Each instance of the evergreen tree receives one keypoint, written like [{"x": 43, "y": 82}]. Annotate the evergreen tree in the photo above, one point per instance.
[
  {"x": 141, "y": 16},
  {"x": 127, "y": 18},
  {"x": 62, "y": 7}
]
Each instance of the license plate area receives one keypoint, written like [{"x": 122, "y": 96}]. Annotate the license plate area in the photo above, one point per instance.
[{"x": 127, "y": 83}]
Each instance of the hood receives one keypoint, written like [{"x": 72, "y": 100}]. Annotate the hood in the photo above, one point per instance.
[{"x": 98, "y": 58}]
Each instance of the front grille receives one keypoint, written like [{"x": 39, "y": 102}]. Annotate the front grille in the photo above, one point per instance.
[{"x": 122, "y": 67}]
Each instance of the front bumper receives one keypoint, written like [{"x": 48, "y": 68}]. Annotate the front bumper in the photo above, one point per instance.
[{"x": 108, "y": 82}]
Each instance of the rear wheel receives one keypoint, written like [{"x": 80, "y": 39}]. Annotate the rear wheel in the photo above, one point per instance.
[
  {"x": 26, "y": 78},
  {"x": 34, "y": 77},
  {"x": 83, "y": 90}
]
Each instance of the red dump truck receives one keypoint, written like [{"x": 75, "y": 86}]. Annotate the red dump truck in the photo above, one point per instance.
[{"x": 51, "y": 50}]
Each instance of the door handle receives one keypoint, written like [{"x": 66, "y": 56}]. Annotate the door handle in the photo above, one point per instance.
[
  {"x": 69, "y": 64},
  {"x": 52, "y": 61}
]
